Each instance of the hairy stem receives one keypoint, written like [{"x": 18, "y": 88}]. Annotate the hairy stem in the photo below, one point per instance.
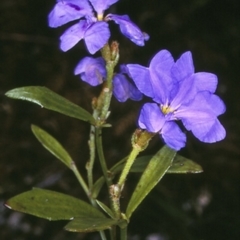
[{"x": 127, "y": 167}]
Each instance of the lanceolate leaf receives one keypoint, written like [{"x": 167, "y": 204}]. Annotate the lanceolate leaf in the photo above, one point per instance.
[
  {"x": 155, "y": 170},
  {"x": 184, "y": 165},
  {"x": 52, "y": 145},
  {"x": 50, "y": 100},
  {"x": 105, "y": 208},
  {"x": 90, "y": 224},
  {"x": 52, "y": 205},
  {"x": 179, "y": 165}
]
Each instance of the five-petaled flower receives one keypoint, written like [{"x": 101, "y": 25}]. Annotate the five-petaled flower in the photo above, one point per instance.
[
  {"x": 93, "y": 29},
  {"x": 93, "y": 71},
  {"x": 178, "y": 94}
]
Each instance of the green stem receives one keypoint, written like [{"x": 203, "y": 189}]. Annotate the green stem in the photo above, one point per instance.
[
  {"x": 123, "y": 233},
  {"x": 80, "y": 179},
  {"x": 103, "y": 236},
  {"x": 90, "y": 163},
  {"x": 104, "y": 168},
  {"x": 86, "y": 190},
  {"x": 105, "y": 97},
  {"x": 115, "y": 194},
  {"x": 101, "y": 156},
  {"x": 111, "y": 56},
  {"x": 127, "y": 167},
  {"x": 113, "y": 233},
  {"x": 92, "y": 149}
]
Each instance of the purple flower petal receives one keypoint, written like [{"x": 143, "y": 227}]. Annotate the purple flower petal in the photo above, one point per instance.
[
  {"x": 101, "y": 5},
  {"x": 91, "y": 70},
  {"x": 209, "y": 131},
  {"x": 183, "y": 67},
  {"x": 73, "y": 35},
  {"x": 96, "y": 36},
  {"x": 185, "y": 93},
  {"x": 200, "y": 117},
  {"x": 173, "y": 135},
  {"x": 141, "y": 77},
  {"x": 215, "y": 103},
  {"x": 120, "y": 87},
  {"x": 204, "y": 106},
  {"x": 151, "y": 118},
  {"x": 129, "y": 29},
  {"x": 160, "y": 71},
  {"x": 68, "y": 10},
  {"x": 135, "y": 94},
  {"x": 205, "y": 81},
  {"x": 123, "y": 89}
]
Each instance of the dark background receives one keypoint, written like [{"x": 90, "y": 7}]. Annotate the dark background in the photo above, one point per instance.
[{"x": 182, "y": 207}]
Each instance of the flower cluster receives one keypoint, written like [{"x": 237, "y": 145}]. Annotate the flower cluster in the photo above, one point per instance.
[
  {"x": 91, "y": 27},
  {"x": 178, "y": 94}
]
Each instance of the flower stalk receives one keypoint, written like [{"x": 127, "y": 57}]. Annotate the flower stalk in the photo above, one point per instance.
[{"x": 140, "y": 140}]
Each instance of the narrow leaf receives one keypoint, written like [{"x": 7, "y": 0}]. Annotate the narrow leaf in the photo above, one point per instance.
[
  {"x": 97, "y": 187},
  {"x": 155, "y": 170},
  {"x": 105, "y": 208},
  {"x": 52, "y": 145},
  {"x": 50, "y": 100},
  {"x": 179, "y": 165},
  {"x": 184, "y": 165},
  {"x": 90, "y": 224},
  {"x": 52, "y": 205}
]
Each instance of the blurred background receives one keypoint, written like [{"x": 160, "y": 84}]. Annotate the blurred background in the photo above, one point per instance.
[{"x": 202, "y": 206}]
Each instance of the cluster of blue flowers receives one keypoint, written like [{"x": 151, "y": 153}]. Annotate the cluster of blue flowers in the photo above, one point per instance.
[
  {"x": 92, "y": 26},
  {"x": 178, "y": 94}
]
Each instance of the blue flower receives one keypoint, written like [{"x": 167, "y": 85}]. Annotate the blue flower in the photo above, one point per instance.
[
  {"x": 93, "y": 29},
  {"x": 93, "y": 71},
  {"x": 178, "y": 94}
]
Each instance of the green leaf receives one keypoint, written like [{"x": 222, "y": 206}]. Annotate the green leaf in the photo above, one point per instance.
[
  {"x": 179, "y": 165},
  {"x": 52, "y": 145},
  {"x": 90, "y": 224},
  {"x": 155, "y": 170},
  {"x": 52, "y": 205},
  {"x": 97, "y": 187},
  {"x": 105, "y": 208},
  {"x": 184, "y": 165},
  {"x": 50, "y": 100}
]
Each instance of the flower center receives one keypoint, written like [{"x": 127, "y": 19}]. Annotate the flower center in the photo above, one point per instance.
[{"x": 166, "y": 109}]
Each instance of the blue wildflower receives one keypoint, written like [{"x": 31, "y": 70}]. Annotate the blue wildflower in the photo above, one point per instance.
[
  {"x": 178, "y": 94},
  {"x": 93, "y": 29},
  {"x": 93, "y": 71}
]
